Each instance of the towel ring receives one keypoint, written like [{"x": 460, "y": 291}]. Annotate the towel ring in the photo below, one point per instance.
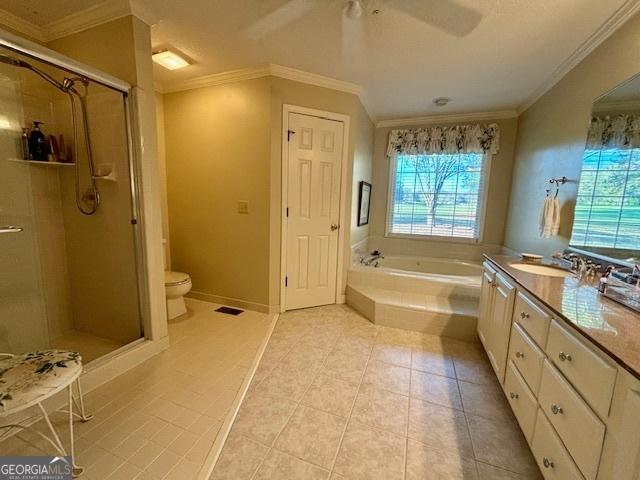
[{"x": 558, "y": 182}]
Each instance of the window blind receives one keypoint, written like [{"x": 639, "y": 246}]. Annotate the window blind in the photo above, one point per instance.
[
  {"x": 437, "y": 195},
  {"x": 607, "y": 212}
]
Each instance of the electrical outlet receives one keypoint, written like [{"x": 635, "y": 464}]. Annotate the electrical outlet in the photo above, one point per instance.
[{"x": 243, "y": 206}]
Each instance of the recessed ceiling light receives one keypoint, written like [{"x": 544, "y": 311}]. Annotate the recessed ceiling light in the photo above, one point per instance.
[
  {"x": 441, "y": 101},
  {"x": 170, "y": 60}
]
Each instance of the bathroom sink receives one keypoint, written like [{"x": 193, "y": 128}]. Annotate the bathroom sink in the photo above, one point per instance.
[{"x": 541, "y": 270}]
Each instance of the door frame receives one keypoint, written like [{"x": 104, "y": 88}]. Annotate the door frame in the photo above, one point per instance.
[{"x": 284, "y": 191}]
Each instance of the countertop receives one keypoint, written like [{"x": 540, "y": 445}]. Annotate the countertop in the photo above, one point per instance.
[{"x": 612, "y": 327}]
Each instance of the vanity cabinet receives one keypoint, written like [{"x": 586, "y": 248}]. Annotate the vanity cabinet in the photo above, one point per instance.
[
  {"x": 577, "y": 408},
  {"x": 497, "y": 297},
  {"x": 486, "y": 294}
]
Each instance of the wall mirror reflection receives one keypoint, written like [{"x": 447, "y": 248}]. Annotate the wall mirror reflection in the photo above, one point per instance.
[{"x": 607, "y": 213}]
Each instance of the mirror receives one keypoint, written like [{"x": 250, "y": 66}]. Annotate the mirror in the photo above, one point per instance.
[{"x": 607, "y": 213}]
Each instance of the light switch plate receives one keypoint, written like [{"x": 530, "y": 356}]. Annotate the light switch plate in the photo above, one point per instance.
[{"x": 243, "y": 206}]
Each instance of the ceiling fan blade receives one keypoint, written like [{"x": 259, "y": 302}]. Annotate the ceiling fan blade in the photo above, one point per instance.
[
  {"x": 445, "y": 15},
  {"x": 279, "y": 18}
]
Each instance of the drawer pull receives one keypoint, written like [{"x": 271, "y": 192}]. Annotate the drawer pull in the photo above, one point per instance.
[
  {"x": 556, "y": 409},
  {"x": 519, "y": 355},
  {"x": 565, "y": 357},
  {"x": 524, "y": 315},
  {"x": 547, "y": 463},
  {"x": 514, "y": 395}
]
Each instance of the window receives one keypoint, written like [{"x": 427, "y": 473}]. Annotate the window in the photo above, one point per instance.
[
  {"x": 437, "y": 195},
  {"x": 607, "y": 211}
]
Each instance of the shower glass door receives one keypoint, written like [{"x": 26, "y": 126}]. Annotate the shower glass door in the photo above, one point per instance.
[{"x": 68, "y": 278}]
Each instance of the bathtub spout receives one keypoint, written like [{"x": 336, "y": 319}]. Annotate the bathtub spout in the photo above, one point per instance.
[{"x": 375, "y": 255}]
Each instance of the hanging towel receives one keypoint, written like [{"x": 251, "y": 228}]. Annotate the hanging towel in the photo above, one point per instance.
[{"x": 550, "y": 217}]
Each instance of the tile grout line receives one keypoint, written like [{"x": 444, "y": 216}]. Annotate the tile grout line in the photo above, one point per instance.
[
  {"x": 298, "y": 404},
  {"x": 353, "y": 403}
]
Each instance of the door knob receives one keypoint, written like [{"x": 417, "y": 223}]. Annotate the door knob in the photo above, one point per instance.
[
  {"x": 564, "y": 357},
  {"x": 334, "y": 227},
  {"x": 556, "y": 409}
]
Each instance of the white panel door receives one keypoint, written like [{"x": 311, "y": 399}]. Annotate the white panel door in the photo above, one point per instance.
[{"x": 313, "y": 197}]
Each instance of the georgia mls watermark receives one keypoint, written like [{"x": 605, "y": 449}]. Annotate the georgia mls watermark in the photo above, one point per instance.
[{"x": 35, "y": 468}]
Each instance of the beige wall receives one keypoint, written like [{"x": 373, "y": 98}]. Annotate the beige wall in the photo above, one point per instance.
[
  {"x": 217, "y": 147},
  {"x": 496, "y": 210},
  {"x": 552, "y": 136},
  {"x": 223, "y": 144},
  {"x": 162, "y": 171},
  {"x": 360, "y": 139},
  {"x": 362, "y": 170}
]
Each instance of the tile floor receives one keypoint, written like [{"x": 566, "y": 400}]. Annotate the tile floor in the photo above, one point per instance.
[
  {"x": 159, "y": 420},
  {"x": 338, "y": 397}
]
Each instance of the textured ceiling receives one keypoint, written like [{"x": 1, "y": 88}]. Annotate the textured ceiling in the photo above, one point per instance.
[
  {"x": 44, "y": 12},
  {"x": 401, "y": 62},
  {"x": 486, "y": 55}
]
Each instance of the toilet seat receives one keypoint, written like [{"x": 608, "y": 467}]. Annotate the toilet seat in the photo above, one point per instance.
[{"x": 172, "y": 279}]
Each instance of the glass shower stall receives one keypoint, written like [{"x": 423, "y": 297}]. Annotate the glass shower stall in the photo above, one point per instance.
[{"x": 70, "y": 250}]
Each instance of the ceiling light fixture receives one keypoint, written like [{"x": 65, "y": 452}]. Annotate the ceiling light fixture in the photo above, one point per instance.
[
  {"x": 441, "y": 101},
  {"x": 353, "y": 9},
  {"x": 170, "y": 60}
]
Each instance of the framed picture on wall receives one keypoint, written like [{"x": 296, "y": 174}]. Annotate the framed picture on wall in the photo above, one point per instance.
[{"x": 364, "y": 199}]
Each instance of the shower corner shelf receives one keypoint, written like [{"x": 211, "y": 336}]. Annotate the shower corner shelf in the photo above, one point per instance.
[
  {"x": 41, "y": 162},
  {"x": 110, "y": 178}
]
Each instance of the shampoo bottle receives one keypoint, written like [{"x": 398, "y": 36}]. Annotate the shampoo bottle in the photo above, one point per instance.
[
  {"x": 24, "y": 140},
  {"x": 37, "y": 143}
]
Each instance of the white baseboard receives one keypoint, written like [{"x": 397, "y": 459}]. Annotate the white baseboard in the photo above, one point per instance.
[{"x": 235, "y": 302}]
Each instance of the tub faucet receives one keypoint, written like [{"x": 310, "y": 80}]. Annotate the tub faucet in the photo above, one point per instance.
[{"x": 375, "y": 255}]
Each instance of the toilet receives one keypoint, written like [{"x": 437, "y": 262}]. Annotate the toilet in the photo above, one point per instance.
[{"x": 176, "y": 286}]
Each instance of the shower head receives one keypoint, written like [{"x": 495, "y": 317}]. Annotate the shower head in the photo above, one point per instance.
[{"x": 14, "y": 61}]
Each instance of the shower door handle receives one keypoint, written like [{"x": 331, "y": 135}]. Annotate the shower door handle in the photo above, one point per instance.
[{"x": 10, "y": 229}]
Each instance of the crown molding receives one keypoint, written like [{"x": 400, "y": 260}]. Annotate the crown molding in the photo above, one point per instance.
[
  {"x": 87, "y": 18},
  {"x": 447, "y": 118},
  {"x": 264, "y": 71},
  {"x": 622, "y": 106},
  {"x": 216, "y": 79},
  {"x": 615, "y": 21},
  {"x": 23, "y": 26},
  {"x": 76, "y": 22},
  {"x": 315, "y": 79}
]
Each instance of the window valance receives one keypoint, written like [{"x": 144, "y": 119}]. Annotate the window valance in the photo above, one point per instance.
[
  {"x": 443, "y": 140},
  {"x": 613, "y": 132}
]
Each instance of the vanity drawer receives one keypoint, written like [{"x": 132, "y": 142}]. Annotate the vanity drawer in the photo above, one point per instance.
[
  {"x": 522, "y": 401},
  {"x": 587, "y": 370},
  {"x": 579, "y": 428},
  {"x": 533, "y": 319},
  {"x": 553, "y": 459},
  {"x": 526, "y": 355}
]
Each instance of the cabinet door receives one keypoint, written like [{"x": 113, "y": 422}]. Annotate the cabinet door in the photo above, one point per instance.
[
  {"x": 486, "y": 294},
  {"x": 499, "y": 329}
]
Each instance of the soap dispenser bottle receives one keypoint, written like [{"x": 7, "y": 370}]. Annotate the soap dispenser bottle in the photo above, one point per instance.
[{"x": 37, "y": 143}]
